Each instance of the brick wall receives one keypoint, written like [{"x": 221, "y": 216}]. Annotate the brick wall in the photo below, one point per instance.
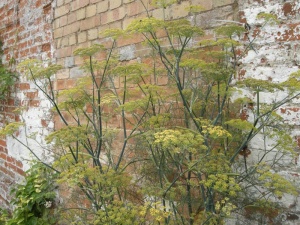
[
  {"x": 79, "y": 23},
  {"x": 274, "y": 56},
  {"x": 275, "y": 51},
  {"x": 52, "y": 30},
  {"x": 25, "y": 30}
]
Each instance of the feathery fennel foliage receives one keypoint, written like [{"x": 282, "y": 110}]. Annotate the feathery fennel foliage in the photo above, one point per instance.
[{"x": 132, "y": 150}]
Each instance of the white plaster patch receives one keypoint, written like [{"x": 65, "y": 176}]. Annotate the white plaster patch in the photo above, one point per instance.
[
  {"x": 127, "y": 52},
  {"x": 251, "y": 12},
  {"x": 274, "y": 57},
  {"x": 32, "y": 117},
  {"x": 291, "y": 115}
]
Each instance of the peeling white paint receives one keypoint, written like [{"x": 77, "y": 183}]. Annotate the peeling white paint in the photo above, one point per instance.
[
  {"x": 127, "y": 52},
  {"x": 34, "y": 129},
  {"x": 33, "y": 116},
  {"x": 275, "y": 55}
]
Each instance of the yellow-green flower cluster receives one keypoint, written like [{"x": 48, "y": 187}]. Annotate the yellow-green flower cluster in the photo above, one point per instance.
[
  {"x": 216, "y": 132},
  {"x": 89, "y": 51},
  {"x": 114, "y": 33},
  {"x": 156, "y": 211},
  {"x": 178, "y": 141},
  {"x": 118, "y": 213},
  {"x": 107, "y": 99},
  {"x": 73, "y": 99},
  {"x": 10, "y": 129},
  {"x": 150, "y": 24},
  {"x": 224, "y": 207},
  {"x": 158, "y": 120},
  {"x": 68, "y": 135},
  {"x": 215, "y": 163},
  {"x": 277, "y": 184},
  {"x": 106, "y": 184},
  {"x": 222, "y": 183}
]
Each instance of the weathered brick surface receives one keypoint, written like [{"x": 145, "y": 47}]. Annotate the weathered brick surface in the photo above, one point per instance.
[
  {"x": 115, "y": 4},
  {"x": 32, "y": 29},
  {"x": 26, "y": 32},
  {"x": 99, "y": 15},
  {"x": 274, "y": 56},
  {"x": 102, "y": 6}
]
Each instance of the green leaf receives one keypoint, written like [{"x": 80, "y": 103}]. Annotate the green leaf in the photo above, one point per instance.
[
  {"x": 47, "y": 72},
  {"x": 7, "y": 79},
  {"x": 163, "y": 3},
  {"x": 260, "y": 85},
  {"x": 68, "y": 135},
  {"x": 192, "y": 63},
  {"x": 183, "y": 28},
  {"x": 133, "y": 72},
  {"x": 230, "y": 30},
  {"x": 11, "y": 128},
  {"x": 145, "y": 25},
  {"x": 114, "y": 33},
  {"x": 293, "y": 82},
  {"x": 89, "y": 51},
  {"x": 227, "y": 42},
  {"x": 240, "y": 124},
  {"x": 268, "y": 17}
]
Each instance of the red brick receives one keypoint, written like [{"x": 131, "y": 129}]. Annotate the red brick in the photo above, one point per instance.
[
  {"x": 242, "y": 73},
  {"x": 2, "y": 149},
  {"x": 22, "y": 45},
  {"x": 38, "y": 21},
  {"x": 19, "y": 164},
  {"x": 11, "y": 166},
  {"x": 24, "y": 53},
  {"x": 242, "y": 17},
  {"x": 11, "y": 160},
  {"x": 31, "y": 94},
  {"x": 33, "y": 49},
  {"x": 17, "y": 118},
  {"x": 24, "y": 86},
  {"x": 3, "y": 156},
  {"x": 46, "y": 47},
  {"x": 70, "y": 83},
  {"x": 47, "y": 9},
  {"x": 34, "y": 103},
  {"x": 20, "y": 171},
  {"x": 290, "y": 34},
  {"x": 8, "y": 110},
  {"x": 44, "y": 123},
  {"x": 11, "y": 41},
  {"x": 60, "y": 84},
  {"x": 11, "y": 101},
  {"x": 288, "y": 9},
  {"x": 2, "y": 143},
  {"x": 6, "y": 172}
]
